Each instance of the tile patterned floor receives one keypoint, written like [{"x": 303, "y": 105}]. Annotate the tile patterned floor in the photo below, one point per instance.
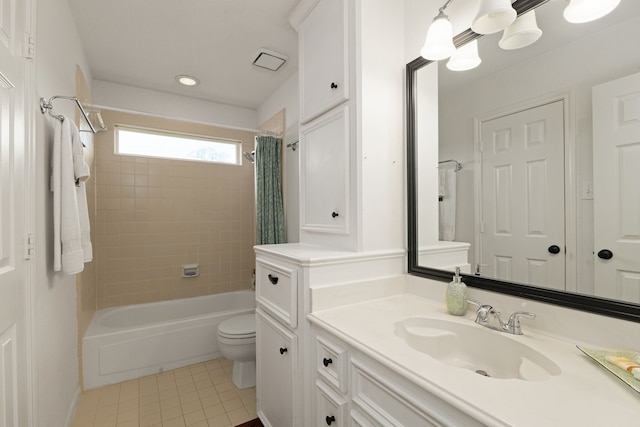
[{"x": 200, "y": 395}]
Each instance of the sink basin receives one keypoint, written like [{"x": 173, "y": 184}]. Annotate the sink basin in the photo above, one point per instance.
[{"x": 487, "y": 352}]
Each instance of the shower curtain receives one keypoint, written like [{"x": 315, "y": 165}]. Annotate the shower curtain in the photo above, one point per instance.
[{"x": 270, "y": 208}]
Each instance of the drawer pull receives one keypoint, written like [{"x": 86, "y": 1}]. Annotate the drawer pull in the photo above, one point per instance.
[
  {"x": 334, "y": 214},
  {"x": 283, "y": 350},
  {"x": 334, "y": 85},
  {"x": 330, "y": 419},
  {"x": 326, "y": 362},
  {"x": 273, "y": 279}
]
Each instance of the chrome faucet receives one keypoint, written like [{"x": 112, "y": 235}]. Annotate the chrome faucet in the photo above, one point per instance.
[{"x": 487, "y": 316}]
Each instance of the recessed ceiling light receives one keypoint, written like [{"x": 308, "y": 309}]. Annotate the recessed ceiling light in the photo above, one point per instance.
[{"x": 187, "y": 80}]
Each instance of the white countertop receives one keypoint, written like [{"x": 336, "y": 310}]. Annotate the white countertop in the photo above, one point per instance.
[{"x": 584, "y": 394}]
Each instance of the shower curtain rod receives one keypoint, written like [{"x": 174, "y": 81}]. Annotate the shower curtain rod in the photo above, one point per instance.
[
  {"x": 260, "y": 132},
  {"x": 458, "y": 164},
  {"x": 47, "y": 106}
]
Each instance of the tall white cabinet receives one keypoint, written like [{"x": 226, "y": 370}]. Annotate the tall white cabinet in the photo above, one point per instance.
[
  {"x": 328, "y": 174},
  {"x": 351, "y": 189}
]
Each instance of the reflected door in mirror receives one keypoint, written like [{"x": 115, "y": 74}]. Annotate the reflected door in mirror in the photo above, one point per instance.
[
  {"x": 616, "y": 170},
  {"x": 522, "y": 230}
]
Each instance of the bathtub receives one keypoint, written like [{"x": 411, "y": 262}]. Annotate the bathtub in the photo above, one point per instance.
[{"x": 124, "y": 343}]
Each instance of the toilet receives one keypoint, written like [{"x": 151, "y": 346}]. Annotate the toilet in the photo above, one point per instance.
[{"x": 237, "y": 342}]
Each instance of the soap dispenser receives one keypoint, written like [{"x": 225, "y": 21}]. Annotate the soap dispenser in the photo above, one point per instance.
[{"x": 457, "y": 296}]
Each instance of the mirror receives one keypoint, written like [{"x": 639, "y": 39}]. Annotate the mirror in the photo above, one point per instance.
[{"x": 446, "y": 115}]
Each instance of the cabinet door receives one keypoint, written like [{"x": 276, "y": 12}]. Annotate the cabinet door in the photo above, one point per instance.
[
  {"x": 324, "y": 63},
  {"x": 276, "y": 363},
  {"x": 325, "y": 178}
]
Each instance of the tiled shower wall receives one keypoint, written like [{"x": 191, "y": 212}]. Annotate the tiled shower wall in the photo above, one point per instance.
[{"x": 154, "y": 215}]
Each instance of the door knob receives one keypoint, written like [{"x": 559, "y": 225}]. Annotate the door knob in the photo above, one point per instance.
[
  {"x": 554, "y": 249},
  {"x": 605, "y": 254},
  {"x": 273, "y": 279},
  {"x": 283, "y": 350},
  {"x": 334, "y": 214}
]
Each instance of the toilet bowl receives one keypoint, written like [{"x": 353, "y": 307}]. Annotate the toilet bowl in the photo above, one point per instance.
[{"x": 237, "y": 342}]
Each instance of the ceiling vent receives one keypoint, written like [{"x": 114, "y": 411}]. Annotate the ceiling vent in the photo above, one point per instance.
[{"x": 269, "y": 59}]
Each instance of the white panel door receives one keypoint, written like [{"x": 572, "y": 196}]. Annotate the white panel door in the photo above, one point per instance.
[
  {"x": 616, "y": 177},
  {"x": 522, "y": 230},
  {"x": 13, "y": 318},
  {"x": 14, "y": 378}
]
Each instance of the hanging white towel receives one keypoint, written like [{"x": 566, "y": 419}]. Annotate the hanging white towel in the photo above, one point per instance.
[
  {"x": 71, "y": 231},
  {"x": 447, "y": 205}
]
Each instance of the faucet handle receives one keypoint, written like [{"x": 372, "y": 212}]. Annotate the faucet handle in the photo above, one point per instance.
[{"x": 513, "y": 325}]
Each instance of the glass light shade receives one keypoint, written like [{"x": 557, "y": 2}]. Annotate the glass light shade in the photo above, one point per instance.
[
  {"x": 465, "y": 57},
  {"x": 439, "y": 42},
  {"x": 580, "y": 11},
  {"x": 493, "y": 16},
  {"x": 523, "y": 32}
]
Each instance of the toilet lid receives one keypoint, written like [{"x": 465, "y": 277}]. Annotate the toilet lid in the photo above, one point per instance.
[{"x": 239, "y": 326}]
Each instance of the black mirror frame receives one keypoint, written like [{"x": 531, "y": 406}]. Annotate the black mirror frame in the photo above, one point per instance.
[{"x": 607, "y": 307}]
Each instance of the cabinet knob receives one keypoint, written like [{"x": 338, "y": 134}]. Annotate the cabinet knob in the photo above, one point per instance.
[
  {"x": 334, "y": 85},
  {"x": 326, "y": 362},
  {"x": 283, "y": 350},
  {"x": 273, "y": 279},
  {"x": 334, "y": 214},
  {"x": 330, "y": 419}
]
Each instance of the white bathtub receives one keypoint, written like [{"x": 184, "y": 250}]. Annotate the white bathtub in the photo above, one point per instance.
[{"x": 129, "y": 342}]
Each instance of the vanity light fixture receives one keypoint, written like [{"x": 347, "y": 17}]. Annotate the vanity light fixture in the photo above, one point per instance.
[
  {"x": 580, "y": 11},
  {"x": 523, "y": 32},
  {"x": 185, "y": 80},
  {"x": 439, "y": 41},
  {"x": 493, "y": 16},
  {"x": 465, "y": 57}
]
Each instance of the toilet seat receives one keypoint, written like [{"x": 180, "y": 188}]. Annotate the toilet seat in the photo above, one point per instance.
[{"x": 239, "y": 327}]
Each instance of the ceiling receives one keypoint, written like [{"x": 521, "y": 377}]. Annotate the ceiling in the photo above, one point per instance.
[{"x": 146, "y": 43}]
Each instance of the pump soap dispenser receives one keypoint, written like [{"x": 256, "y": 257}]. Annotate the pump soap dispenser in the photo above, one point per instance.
[{"x": 457, "y": 296}]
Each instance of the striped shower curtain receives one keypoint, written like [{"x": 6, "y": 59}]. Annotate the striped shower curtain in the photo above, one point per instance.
[{"x": 270, "y": 208}]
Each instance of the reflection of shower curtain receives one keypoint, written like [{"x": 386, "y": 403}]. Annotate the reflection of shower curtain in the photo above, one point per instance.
[
  {"x": 447, "y": 204},
  {"x": 270, "y": 210}
]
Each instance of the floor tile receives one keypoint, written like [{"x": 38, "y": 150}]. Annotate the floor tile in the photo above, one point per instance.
[{"x": 200, "y": 395}]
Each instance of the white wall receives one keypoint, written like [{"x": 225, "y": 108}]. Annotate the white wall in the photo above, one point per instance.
[
  {"x": 58, "y": 51},
  {"x": 568, "y": 68},
  {"x": 135, "y": 99},
  {"x": 380, "y": 124}
]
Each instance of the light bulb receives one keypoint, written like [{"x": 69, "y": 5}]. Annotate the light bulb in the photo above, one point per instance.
[
  {"x": 580, "y": 11},
  {"x": 439, "y": 41}
]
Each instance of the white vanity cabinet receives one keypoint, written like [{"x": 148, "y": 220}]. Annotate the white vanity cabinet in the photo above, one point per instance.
[
  {"x": 289, "y": 391},
  {"x": 356, "y": 390},
  {"x": 324, "y": 58},
  {"x": 276, "y": 367},
  {"x": 278, "y": 383}
]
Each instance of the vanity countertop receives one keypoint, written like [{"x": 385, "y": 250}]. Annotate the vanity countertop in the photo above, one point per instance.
[{"x": 584, "y": 394}]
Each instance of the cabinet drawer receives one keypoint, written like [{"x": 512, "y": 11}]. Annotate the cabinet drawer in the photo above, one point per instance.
[
  {"x": 389, "y": 400},
  {"x": 277, "y": 291},
  {"x": 331, "y": 409},
  {"x": 331, "y": 363}
]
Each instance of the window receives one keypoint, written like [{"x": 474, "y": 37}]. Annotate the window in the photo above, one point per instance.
[{"x": 168, "y": 145}]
